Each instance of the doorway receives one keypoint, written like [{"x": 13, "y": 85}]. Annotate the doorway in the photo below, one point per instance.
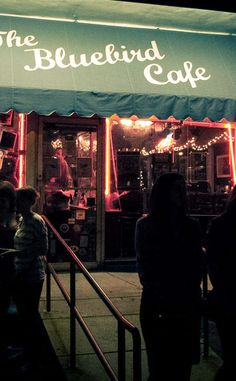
[{"x": 69, "y": 184}]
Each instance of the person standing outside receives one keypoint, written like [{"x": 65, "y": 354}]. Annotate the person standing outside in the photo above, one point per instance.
[
  {"x": 31, "y": 243},
  {"x": 221, "y": 264},
  {"x": 8, "y": 226},
  {"x": 8, "y": 223},
  {"x": 169, "y": 261}
]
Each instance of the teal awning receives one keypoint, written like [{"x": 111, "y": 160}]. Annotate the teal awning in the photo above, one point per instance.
[{"x": 67, "y": 67}]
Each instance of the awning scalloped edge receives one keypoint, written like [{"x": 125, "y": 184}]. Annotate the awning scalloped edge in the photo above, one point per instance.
[{"x": 206, "y": 122}]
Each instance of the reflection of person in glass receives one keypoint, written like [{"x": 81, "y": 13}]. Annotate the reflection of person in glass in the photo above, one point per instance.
[{"x": 65, "y": 179}]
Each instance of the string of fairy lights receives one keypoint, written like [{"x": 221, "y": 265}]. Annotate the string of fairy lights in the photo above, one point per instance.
[
  {"x": 167, "y": 144},
  {"x": 189, "y": 144}
]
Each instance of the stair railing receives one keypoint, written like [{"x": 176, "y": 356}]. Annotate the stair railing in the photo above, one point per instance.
[{"x": 123, "y": 324}]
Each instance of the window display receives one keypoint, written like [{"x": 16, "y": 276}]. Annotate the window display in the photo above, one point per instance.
[
  {"x": 70, "y": 159},
  {"x": 8, "y": 155},
  {"x": 142, "y": 150}
]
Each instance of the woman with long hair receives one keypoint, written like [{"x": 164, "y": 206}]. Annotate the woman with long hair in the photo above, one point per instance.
[
  {"x": 31, "y": 243},
  {"x": 169, "y": 260}
]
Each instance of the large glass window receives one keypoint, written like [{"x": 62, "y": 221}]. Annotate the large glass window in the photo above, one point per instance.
[{"x": 144, "y": 149}]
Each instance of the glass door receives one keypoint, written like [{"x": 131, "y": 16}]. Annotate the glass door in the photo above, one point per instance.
[{"x": 69, "y": 182}]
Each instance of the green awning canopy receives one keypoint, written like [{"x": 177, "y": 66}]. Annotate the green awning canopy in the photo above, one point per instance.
[{"x": 67, "y": 67}]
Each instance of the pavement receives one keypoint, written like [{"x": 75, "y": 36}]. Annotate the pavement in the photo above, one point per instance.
[
  {"x": 18, "y": 365},
  {"x": 124, "y": 290}
]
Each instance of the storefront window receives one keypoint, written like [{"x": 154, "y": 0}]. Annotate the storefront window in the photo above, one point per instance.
[
  {"x": 141, "y": 150},
  {"x": 144, "y": 149}
]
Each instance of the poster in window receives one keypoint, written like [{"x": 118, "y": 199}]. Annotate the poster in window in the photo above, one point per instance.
[{"x": 222, "y": 166}]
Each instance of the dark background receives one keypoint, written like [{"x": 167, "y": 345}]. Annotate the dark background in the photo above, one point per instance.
[{"x": 224, "y": 6}]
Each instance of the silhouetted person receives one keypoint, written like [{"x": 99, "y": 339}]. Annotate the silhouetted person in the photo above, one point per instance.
[
  {"x": 31, "y": 240},
  {"x": 221, "y": 262},
  {"x": 169, "y": 259},
  {"x": 7, "y": 231}
]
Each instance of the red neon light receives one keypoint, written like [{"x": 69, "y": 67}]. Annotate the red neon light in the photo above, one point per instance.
[
  {"x": 108, "y": 159},
  {"x": 112, "y": 155},
  {"x": 231, "y": 152},
  {"x": 22, "y": 146}
]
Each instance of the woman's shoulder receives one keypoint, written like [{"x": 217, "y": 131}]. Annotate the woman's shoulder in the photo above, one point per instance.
[
  {"x": 147, "y": 224},
  {"x": 38, "y": 225},
  {"x": 37, "y": 216},
  {"x": 142, "y": 221},
  {"x": 37, "y": 219}
]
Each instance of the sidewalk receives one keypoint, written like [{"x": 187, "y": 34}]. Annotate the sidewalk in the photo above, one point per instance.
[{"x": 124, "y": 289}]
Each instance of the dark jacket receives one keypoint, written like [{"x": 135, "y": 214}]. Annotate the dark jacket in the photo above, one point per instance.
[
  {"x": 170, "y": 265},
  {"x": 221, "y": 259},
  {"x": 7, "y": 268}
]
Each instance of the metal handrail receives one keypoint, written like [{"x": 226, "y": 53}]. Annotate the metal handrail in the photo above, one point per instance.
[
  {"x": 123, "y": 323},
  {"x": 205, "y": 318}
]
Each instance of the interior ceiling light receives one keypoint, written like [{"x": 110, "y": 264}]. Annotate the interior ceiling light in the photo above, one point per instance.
[
  {"x": 126, "y": 122},
  {"x": 143, "y": 123}
]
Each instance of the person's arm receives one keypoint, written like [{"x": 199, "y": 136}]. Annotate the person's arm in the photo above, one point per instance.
[
  {"x": 41, "y": 241},
  {"x": 7, "y": 251},
  {"x": 138, "y": 249},
  {"x": 141, "y": 257}
]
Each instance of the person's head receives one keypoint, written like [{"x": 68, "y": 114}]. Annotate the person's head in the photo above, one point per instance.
[
  {"x": 59, "y": 200},
  {"x": 7, "y": 197},
  {"x": 231, "y": 203},
  {"x": 26, "y": 197},
  {"x": 168, "y": 194}
]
